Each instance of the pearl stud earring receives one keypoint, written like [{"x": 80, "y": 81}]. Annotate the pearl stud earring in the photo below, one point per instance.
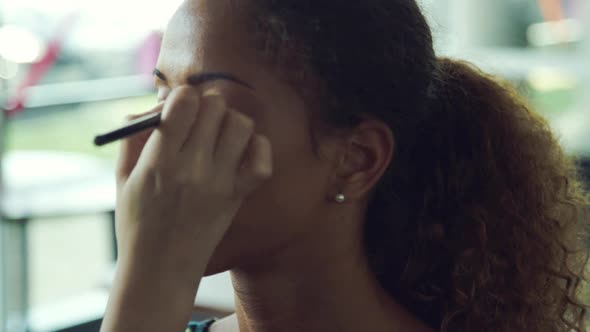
[{"x": 340, "y": 198}]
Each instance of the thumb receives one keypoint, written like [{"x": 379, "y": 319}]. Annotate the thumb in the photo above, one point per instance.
[
  {"x": 256, "y": 165},
  {"x": 131, "y": 147}
]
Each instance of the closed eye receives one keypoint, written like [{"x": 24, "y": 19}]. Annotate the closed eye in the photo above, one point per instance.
[
  {"x": 160, "y": 76},
  {"x": 200, "y": 78}
]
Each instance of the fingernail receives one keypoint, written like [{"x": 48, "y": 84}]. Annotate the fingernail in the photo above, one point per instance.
[{"x": 211, "y": 92}]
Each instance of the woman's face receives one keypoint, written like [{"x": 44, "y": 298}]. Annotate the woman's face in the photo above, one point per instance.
[{"x": 210, "y": 36}]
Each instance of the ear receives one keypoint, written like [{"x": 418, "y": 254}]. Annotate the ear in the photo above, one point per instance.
[{"x": 367, "y": 153}]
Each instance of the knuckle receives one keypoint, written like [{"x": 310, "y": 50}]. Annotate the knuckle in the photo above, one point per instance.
[
  {"x": 185, "y": 91},
  {"x": 183, "y": 98},
  {"x": 220, "y": 188},
  {"x": 213, "y": 99},
  {"x": 243, "y": 122},
  {"x": 197, "y": 181},
  {"x": 263, "y": 170},
  {"x": 188, "y": 181},
  {"x": 214, "y": 106},
  {"x": 182, "y": 178}
]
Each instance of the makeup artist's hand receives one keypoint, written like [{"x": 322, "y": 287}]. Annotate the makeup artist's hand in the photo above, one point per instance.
[
  {"x": 178, "y": 190},
  {"x": 180, "y": 185}
]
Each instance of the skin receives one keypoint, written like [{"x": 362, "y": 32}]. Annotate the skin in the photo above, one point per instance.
[{"x": 230, "y": 181}]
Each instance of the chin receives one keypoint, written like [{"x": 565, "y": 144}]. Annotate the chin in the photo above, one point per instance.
[
  {"x": 225, "y": 257},
  {"x": 218, "y": 263},
  {"x": 213, "y": 269}
]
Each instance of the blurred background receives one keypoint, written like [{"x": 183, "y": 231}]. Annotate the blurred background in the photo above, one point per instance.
[{"x": 72, "y": 68}]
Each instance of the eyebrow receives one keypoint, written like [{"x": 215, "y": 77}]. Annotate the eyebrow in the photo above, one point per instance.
[{"x": 200, "y": 78}]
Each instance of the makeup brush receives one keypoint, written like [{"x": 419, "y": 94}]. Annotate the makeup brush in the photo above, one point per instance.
[{"x": 153, "y": 120}]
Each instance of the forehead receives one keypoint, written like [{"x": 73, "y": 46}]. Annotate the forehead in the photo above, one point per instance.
[{"x": 204, "y": 35}]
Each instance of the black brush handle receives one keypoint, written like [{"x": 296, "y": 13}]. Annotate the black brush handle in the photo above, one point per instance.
[
  {"x": 153, "y": 120},
  {"x": 132, "y": 128}
]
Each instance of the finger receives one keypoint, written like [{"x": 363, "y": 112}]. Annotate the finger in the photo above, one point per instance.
[
  {"x": 205, "y": 131},
  {"x": 179, "y": 114},
  {"x": 131, "y": 147},
  {"x": 234, "y": 138},
  {"x": 257, "y": 165}
]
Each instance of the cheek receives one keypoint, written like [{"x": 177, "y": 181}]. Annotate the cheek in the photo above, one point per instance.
[
  {"x": 277, "y": 214},
  {"x": 291, "y": 194},
  {"x": 289, "y": 199},
  {"x": 283, "y": 208},
  {"x": 297, "y": 180}
]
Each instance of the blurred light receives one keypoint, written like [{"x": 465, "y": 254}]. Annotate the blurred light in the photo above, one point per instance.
[
  {"x": 554, "y": 32},
  {"x": 52, "y": 7},
  {"x": 19, "y": 45},
  {"x": 8, "y": 69},
  {"x": 550, "y": 79}
]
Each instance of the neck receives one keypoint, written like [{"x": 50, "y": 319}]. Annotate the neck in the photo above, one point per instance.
[{"x": 319, "y": 285}]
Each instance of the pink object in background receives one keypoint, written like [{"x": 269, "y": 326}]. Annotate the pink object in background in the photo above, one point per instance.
[
  {"x": 552, "y": 9},
  {"x": 556, "y": 10},
  {"x": 38, "y": 69},
  {"x": 148, "y": 54}
]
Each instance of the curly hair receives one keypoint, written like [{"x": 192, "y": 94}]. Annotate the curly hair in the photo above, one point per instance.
[{"x": 480, "y": 221}]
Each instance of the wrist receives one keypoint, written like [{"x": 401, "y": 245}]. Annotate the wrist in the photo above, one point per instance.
[
  {"x": 166, "y": 262},
  {"x": 145, "y": 298}
]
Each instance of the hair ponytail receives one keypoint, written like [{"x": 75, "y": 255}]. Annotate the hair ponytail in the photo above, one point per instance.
[
  {"x": 498, "y": 216},
  {"x": 477, "y": 223}
]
